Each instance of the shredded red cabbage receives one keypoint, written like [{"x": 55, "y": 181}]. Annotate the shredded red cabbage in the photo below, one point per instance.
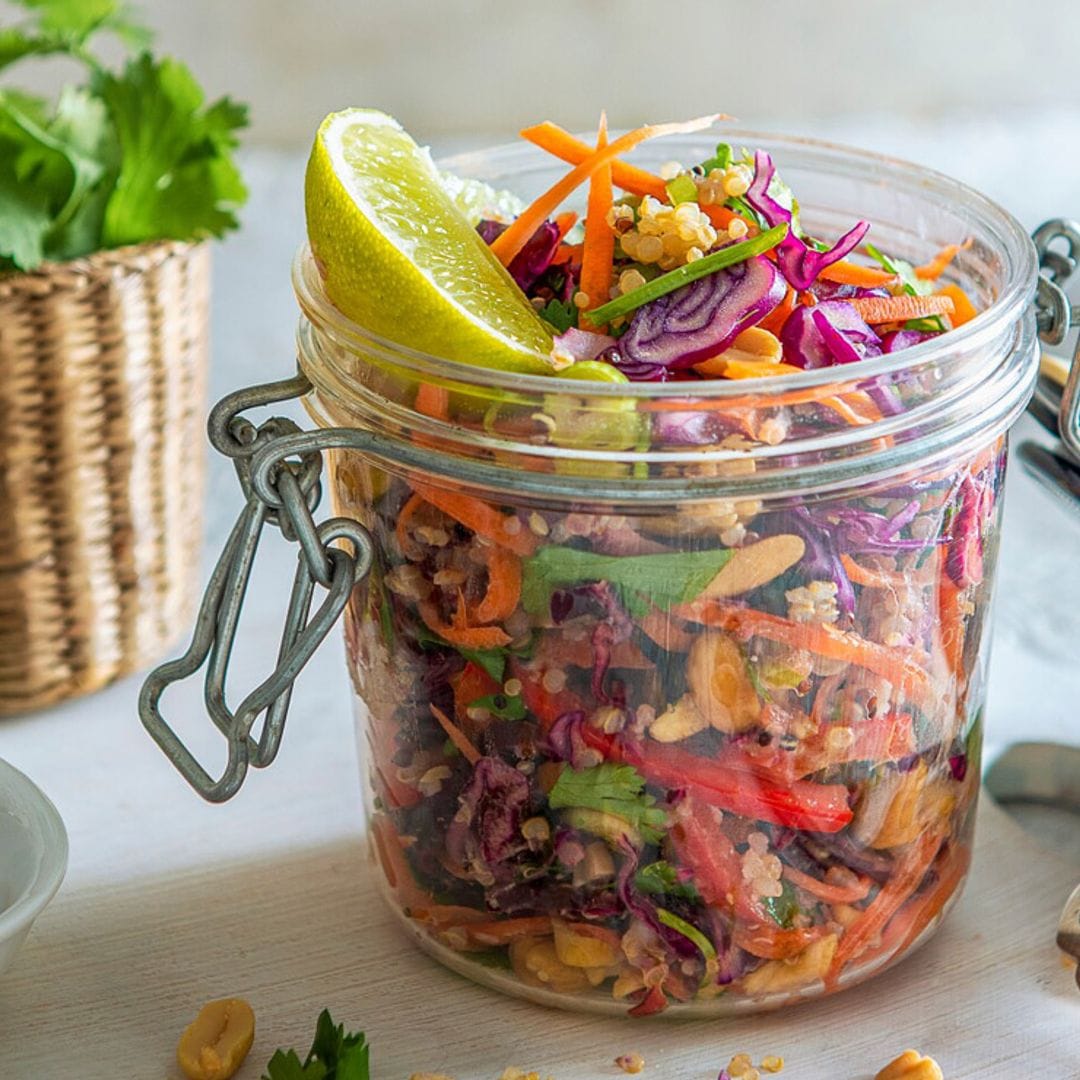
[
  {"x": 800, "y": 263},
  {"x": 699, "y": 320},
  {"x": 829, "y": 333},
  {"x": 534, "y": 258}
]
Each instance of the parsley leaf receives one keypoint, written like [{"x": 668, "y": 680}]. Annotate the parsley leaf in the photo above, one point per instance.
[
  {"x": 639, "y": 580},
  {"x": 174, "y": 180},
  {"x": 611, "y": 789},
  {"x": 560, "y": 314},
  {"x": 334, "y": 1055},
  {"x": 662, "y": 879}
]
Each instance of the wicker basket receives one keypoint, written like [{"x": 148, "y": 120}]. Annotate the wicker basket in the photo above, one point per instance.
[{"x": 102, "y": 404}]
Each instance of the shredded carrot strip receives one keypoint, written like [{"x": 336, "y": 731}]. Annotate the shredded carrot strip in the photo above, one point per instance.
[
  {"x": 876, "y": 579},
  {"x": 459, "y": 632},
  {"x": 907, "y": 877},
  {"x": 773, "y": 942},
  {"x": 928, "y": 906},
  {"x": 825, "y": 890},
  {"x": 721, "y": 217},
  {"x": 481, "y": 517},
  {"x": 401, "y": 527},
  {"x": 562, "y": 144},
  {"x": 902, "y": 668},
  {"x": 598, "y": 255},
  {"x": 514, "y": 238},
  {"x": 951, "y": 626},
  {"x": 568, "y": 253},
  {"x": 937, "y": 266},
  {"x": 565, "y": 221},
  {"x": 844, "y": 408},
  {"x": 503, "y": 587},
  {"x": 963, "y": 309},
  {"x": 456, "y": 736},
  {"x": 774, "y": 321},
  {"x": 887, "y": 309},
  {"x": 433, "y": 401},
  {"x": 849, "y": 273},
  {"x": 503, "y": 931}
]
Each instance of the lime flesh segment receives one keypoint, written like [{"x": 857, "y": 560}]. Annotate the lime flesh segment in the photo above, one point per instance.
[{"x": 401, "y": 260}]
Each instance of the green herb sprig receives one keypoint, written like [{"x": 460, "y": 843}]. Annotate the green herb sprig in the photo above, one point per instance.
[
  {"x": 130, "y": 156},
  {"x": 334, "y": 1055}
]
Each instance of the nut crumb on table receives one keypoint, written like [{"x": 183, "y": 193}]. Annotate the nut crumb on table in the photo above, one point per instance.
[{"x": 911, "y": 1065}]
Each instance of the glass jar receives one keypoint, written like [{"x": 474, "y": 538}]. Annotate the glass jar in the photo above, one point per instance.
[{"x": 671, "y": 694}]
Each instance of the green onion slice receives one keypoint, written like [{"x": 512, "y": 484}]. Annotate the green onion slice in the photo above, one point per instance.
[{"x": 683, "y": 275}]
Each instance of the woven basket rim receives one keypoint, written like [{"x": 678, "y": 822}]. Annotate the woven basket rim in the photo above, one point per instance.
[{"x": 88, "y": 270}]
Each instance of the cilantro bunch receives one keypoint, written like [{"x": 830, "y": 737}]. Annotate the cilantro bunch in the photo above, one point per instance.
[{"x": 130, "y": 155}]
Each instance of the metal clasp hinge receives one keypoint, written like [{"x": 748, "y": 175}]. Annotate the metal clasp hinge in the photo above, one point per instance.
[{"x": 279, "y": 468}]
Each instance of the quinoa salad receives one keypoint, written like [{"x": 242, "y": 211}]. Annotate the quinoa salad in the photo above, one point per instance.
[{"x": 728, "y": 750}]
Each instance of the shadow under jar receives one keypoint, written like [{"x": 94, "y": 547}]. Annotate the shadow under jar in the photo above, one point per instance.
[{"x": 670, "y": 695}]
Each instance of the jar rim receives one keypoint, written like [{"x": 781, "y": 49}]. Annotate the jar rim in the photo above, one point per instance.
[{"x": 1014, "y": 295}]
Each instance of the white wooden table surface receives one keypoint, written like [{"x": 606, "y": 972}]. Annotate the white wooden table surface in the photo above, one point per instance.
[{"x": 169, "y": 901}]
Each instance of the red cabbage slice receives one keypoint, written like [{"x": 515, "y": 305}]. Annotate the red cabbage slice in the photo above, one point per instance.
[
  {"x": 534, "y": 258},
  {"x": 582, "y": 344},
  {"x": 800, "y": 263},
  {"x": 903, "y": 339},
  {"x": 830, "y": 333},
  {"x": 699, "y": 320}
]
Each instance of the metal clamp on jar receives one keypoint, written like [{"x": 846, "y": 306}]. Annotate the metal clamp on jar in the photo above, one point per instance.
[{"x": 519, "y": 622}]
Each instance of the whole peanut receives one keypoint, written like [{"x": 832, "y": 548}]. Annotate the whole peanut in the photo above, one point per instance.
[{"x": 214, "y": 1045}]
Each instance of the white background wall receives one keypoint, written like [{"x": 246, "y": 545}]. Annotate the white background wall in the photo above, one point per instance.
[{"x": 486, "y": 66}]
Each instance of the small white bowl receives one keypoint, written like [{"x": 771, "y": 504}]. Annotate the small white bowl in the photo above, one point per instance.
[{"x": 33, "y": 858}]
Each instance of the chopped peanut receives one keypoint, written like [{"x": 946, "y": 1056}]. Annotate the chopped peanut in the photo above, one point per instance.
[
  {"x": 911, "y": 1065},
  {"x": 772, "y": 1064},
  {"x": 630, "y": 1063},
  {"x": 679, "y": 721}
]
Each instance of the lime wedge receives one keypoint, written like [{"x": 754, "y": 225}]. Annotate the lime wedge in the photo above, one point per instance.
[{"x": 401, "y": 260}]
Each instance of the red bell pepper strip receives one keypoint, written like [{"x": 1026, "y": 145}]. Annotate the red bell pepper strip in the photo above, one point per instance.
[{"x": 800, "y": 805}]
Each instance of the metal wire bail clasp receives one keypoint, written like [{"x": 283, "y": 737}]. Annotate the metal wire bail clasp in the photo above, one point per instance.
[
  {"x": 1058, "y": 244},
  {"x": 279, "y": 467}
]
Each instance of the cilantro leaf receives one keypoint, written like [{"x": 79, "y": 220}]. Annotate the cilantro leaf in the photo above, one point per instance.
[
  {"x": 639, "y": 580},
  {"x": 25, "y": 219},
  {"x": 334, "y": 1055},
  {"x": 16, "y": 43},
  {"x": 913, "y": 285},
  {"x": 662, "y": 879},
  {"x": 286, "y": 1066},
  {"x": 174, "y": 180},
  {"x": 501, "y": 706},
  {"x": 73, "y": 22},
  {"x": 611, "y": 789},
  {"x": 782, "y": 909},
  {"x": 562, "y": 315}
]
